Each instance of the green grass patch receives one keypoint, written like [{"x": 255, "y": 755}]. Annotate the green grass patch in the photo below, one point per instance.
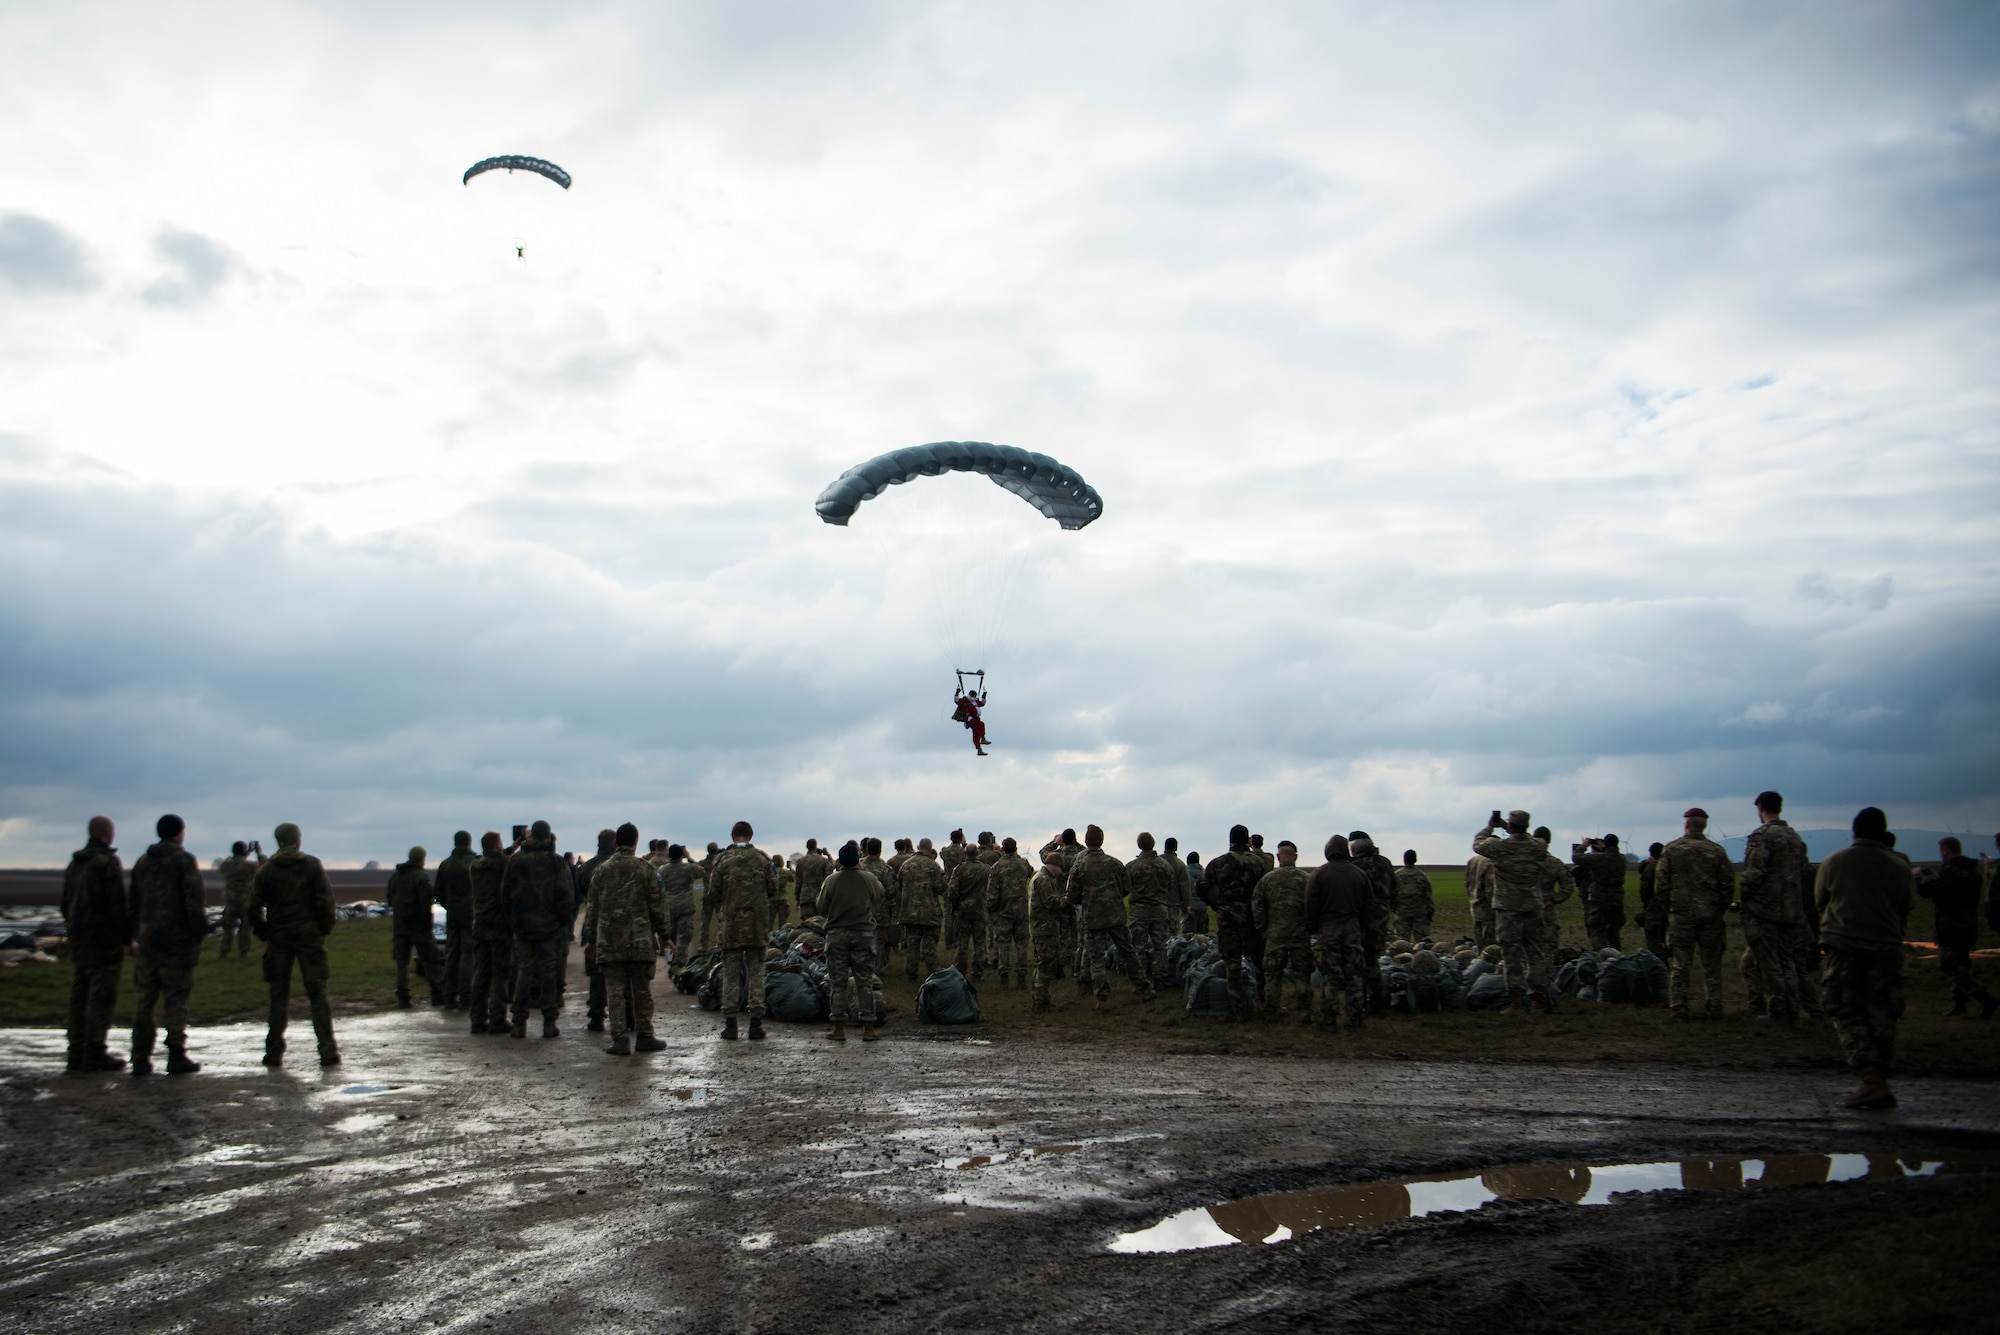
[{"x": 363, "y": 977}]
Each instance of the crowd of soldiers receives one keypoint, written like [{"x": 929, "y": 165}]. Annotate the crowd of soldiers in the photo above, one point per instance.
[{"x": 1822, "y": 943}]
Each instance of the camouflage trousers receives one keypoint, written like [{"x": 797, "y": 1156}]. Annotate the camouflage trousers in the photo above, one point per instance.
[
  {"x": 680, "y": 928},
  {"x": 1653, "y": 921},
  {"x": 629, "y": 984},
  {"x": 1342, "y": 956},
  {"x": 1151, "y": 929},
  {"x": 1414, "y": 928},
  {"x": 313, "y": 973},
  {"x": 850, "y": 965},
  {"x": 968, "y": 944},
  {"x": 93, "y": 996},
  {"x": 1236, "y": 942},
  {"x": 1102, "y": 939},
  {"x": 430, "y": 965},
  {"x": 1688, "y": 935},
  {"x": 492, "y": 984},
  {"x": 707, "y": 917},
  {"x": 538, "y": 969},
  {"x": 1484, "y": 933},
  {"x": 168, "y": 981},
  {"x": 1300, "y": 960},
  {"x": 1523, "y": 944},
  {"x": 744, "y": 968},
  {"x": 457, "y": 963},
  {"x": 1010, "y": 946},
  {"x": 1604, "y": 920},
  {"x": 1048, "y": 960},
  {"x": 1769, "y": 966},
  {"x": 1072, "y": 947},
  {"x": 236, "y": 927},
  {"x": 1864, "y": 999},
  {"x": 920, "y": 941}
]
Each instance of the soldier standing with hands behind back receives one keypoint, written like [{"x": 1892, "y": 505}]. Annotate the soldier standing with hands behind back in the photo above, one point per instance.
[
  {"x": 291, "y": 911},
  {"x": 626, "y": 924},
  {"x": 1698, "y": 883},
  {"x": 169, "y": 920},
  {"x": 741, "y": 882}
]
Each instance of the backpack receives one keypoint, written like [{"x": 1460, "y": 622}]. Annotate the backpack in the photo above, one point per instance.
[
  {"x": 1487, "y": 993},
  {"x": 793, "y": 998},
  {"x": 1638, "y": 979},
  {"x": 947, "y": 998},
  {"x": 1206, "y": 989},
  {"x": 690, "y": 979},
  {"x": 710, "y": 996}
]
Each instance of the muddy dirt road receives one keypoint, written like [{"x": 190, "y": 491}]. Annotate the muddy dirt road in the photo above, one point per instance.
[{"x": 929, "y": 1182}]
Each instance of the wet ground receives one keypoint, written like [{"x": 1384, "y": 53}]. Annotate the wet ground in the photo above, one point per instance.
[{"x": 929, "y": 1182}]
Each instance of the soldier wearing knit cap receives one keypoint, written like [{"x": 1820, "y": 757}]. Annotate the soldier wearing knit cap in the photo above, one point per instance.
[
  {"x": 1098, "y": 884},
  {"x": 742, "y": 882},
  {"x": 1697, "y": 881},
  {"x": 1048, "y": 909},
  {"x": 1228, "y": 884},
  {"x": 410, "y": 896},
  {"x": 454, "y": 891},
  {"x": 540, "y": 888},
  {"x": 847, "y": 900},
  {"x": 291, "y": 911}
]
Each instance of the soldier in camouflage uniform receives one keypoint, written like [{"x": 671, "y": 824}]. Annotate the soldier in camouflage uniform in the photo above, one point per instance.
[
  {"x": 677, "y": 875},
  {"x": 1698, "y": 883},
  {"x": 99, "y": 922},
  {"x": 492, "y": 985},
  {"x": 1340, "y": 902},
  {"x": 1520, "y": 868},
  {"x": 169, "y": 920},
  {"x": 1158, "y": 901},
  {"x": 238, "y": 874},
  {"x": 1098, "y": 885},
  {"x": 1558, "y": 886},
  {"x": 847, "y": 900},
  {"x": 291, "y": 911},
  {"x": 594, "y": 1002},
  {"x": 811, "y": 871},
  {"x": 921, "y": 884},
  {"x": 540, "y": 888},
  {"x": 1228, "y": 884},
  {"x": 1774, "y": 862},
  {"x": 1864, "y": 894},
  {"x": 1278, "y": 908},
  {"x": 1479, "y": 886},
  {"x": 1382, "y": 875},
  {"x": 1195, "y": 922},
  {"x": 708, "y": 899},
  {"x": 883, "y": 911},
  {"x": 454, "y": 891},
  {"x": 1007, "y": 911},
  {"x": 626, "y": 921},
  {"x": 969, "y": 882},
  {"x": 1652, "y": 908},
  {"x": 781, "y": 881},
  {"x": 1415, "y": 905},
  {"x": 1048, "y": 908},
  {"x": 742, "y": 881},
  {"x": 1601, "y": 872},
  {"x": 1065, "y": 850},
  {"x": 410, "y": 895}
]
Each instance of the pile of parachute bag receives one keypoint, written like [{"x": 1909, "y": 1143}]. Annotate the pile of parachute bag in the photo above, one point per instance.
[
  {"x": 1578, "y": 978},
  {"x": 1205, "y": 984},
  {"x": 1423, "y": 982},
  {"x": 795, "y": 978},
  {"x": 701, "y": 966},
  {"x": 1485, "y": 980},
  {"x": 1183, "y": 953},
  {"x": 1637, "y": 979},
  {"x": 947, "y": 997}
]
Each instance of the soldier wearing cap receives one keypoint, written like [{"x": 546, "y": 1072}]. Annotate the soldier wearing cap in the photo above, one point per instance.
[
  {"x": 410, "y": 895},
  {"x": 1697, "y": 881},
  {"x": 1520, "y": 866}
]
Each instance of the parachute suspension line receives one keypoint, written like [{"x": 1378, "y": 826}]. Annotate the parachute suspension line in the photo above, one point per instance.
[{"x": 978, "y": 678}]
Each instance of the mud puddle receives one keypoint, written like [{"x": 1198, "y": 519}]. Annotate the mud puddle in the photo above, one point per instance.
[{"x": 1286, "y": 1215}]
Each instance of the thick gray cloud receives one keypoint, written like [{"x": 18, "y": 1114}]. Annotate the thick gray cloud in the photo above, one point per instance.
[{"x": 37, "y": 256}]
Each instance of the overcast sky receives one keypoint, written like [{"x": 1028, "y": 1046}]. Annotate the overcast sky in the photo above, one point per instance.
[{"x": 1581, "y": 407}]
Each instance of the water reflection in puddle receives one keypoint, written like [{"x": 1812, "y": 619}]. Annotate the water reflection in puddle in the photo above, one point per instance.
[
  {"x": 690, "y": 1095},
  {"x": 989, "y": 1160},
  {"x": 1287, "y": 1215}
]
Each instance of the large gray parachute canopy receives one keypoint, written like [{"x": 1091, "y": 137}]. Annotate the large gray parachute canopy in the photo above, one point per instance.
[
  {"x": 517, "y": 162},
  {"x": 1053, "y": 488}
]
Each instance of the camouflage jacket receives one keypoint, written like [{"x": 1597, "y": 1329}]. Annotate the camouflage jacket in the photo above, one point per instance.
[
  {"x": 627, "y": 909},
  {"x": 541, "y": 891},
  {"x": 1774, "y": 864},
  {"x": 677, "y": 883},
  {"x": 169, "y": 918},
  {"x": 970, "y": 881},
  {"x": 885, "y": 888},
  {"x": 95, "y": 912},
  {"x": 741, "y": 885},
  {"x": 1048, "y": 900},
  {"x": 1099, "y": 883},
  {"x": 492, "y": 915},
  {"x": 1157, "y": 890},
  {"x": 1695, "y": 877},
  {"x": 1479, "y": 881},
  {"x": 292, "y": 901},
  {"x": 1007, "y": 886},
  {"x": 454, "y": 887},
  {"x": 1413, "y": 894},
  {"x": 1520, "y": 865},
  {"x": 239, "y": 873},
  {"x": 1557, "y": 885},
  {"x": 410, "y": 895},
  {"x": 988, "y": 853},
  {"x": 1278, "y": 908},
  {"x": 950, "y": 856},
  {"x": 1382, "y": 875},
  {"x": 1602, "y": 873},
  {"x": 1229, "y": 882},
  {"x": 920, "y": 882}
]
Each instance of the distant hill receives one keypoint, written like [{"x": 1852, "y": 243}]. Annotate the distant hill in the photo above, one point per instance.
[{"x": 1921, "y": 845}]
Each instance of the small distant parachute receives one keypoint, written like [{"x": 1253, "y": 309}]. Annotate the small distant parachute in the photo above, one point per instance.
[
  {"x": 517, "y": 162},
  {"x": 1051, "y": 487}
]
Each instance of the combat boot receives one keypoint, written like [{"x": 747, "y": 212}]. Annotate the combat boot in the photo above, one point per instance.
[
  {"x": 142, "y": 1052},
  {"x": 1957, "y": 1007},
  {"x": 329, "y": 1055},
  {"x": 756, "y": 1026},
  {"x": 868, "y": 1034},
  {"x": 1988, "y": 1003},
  {"x": 177, "y": 1060},
  {"x": 1514, "y": 1008},
  {"x": 402, "y": 1001},
  {"x": 99, "y": 1058},
  {"x": 274, "y": 1050},
  {"x": 621, "y": 1046},
  {"x": 549, "y": 1029},
  {"x": 838, "y": 1033},
  {"x": 75, "y": 1062},
  {"x": 1874, "y": 1094},
  {"x": 729, "y": 1028},
  {"x": 479, "y": 1026},
  {"x": 648, "y": 1043},
  {"x": 519, "y": 1029},
  {"x": 595, "y": 1024}
]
